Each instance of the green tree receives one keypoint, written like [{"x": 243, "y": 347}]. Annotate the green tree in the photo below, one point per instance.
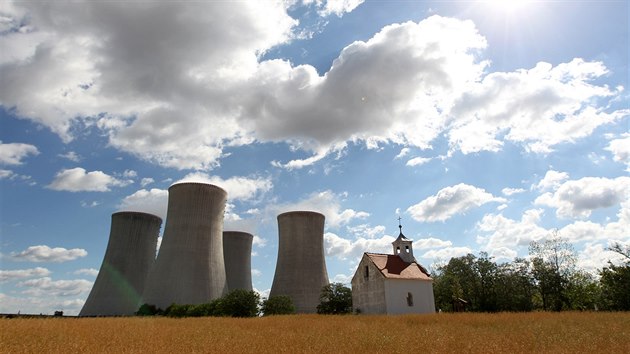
[
  {"x": 459, "y": 279},
  {"x": 553, "y": 263},
  {"x": 615, "y": 282},
  {"x": 201, "y": 310},
  {"x": 335, "y": 298},
  {"x": 583, "y": 291},
  {"x": 277, "y": 305},
  {"x": 516, "y": 286},
  {"x": 486, "y": 291},
  {"x": 239, "y": 303}
]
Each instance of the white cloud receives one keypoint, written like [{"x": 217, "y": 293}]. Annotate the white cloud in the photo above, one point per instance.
[
  {"x": 342, "y": 278},
  {"x": 336, "y": 7},
  {"x": 120, "y": 68},
  {"x": 6, "y": 174},
  {"x": 91, "y": 204},
  {"x": 620, "y": 148},
  {"x": 44, "y": 253},
  {"x": 14, "y": 153},
  {"x": 505, "y": 253},
  {"x": 502, "y": 232},
  {"x": 403, "y": 152},
  {"x": 511, "y": 191},
  {"x": 146, "y": 181},
  {"x": 256, "y": 272},
  {"x": 366, "y": 231},
  {"x": 264, "y": 294},
  {"x": 6, "y": 275},
  {"x": 552, "y": 180},
  {"x": 130, "y": 174},
  {"x": 450, "y": 201},
  {"x": 47, "y": 287},
  {"x": 126, "y": 61},
  {"x": 36, "y": 305},
  {"x": 71, "y": 155},
  {"x": 611, "y": 230},
  {"x": 159, "y": 244},
  {"x": 153, "y": 201},
  {"x": 327, "y": 203},
  {"x": 301, "y": 163},
  {"x": 578, "y": 198},
  {"x": 538, "y": 108},
  {"x": 501, "y": 236},
  {"x": 431, "y": 242},
  {"x": 238, "y": 188},
  {"x": 416, "y": 161},
  {"x": 336, "y": 246},
  {"x": 78, "y": 180},
  {"x": 12, "y": 176},
  {"x": 87, "y": 271},
  {"x": 444, "y": 254},
  {"x": 357, "y": 99},
  {"x": 259, "y": 241},
  {"x": 595, "y": 255}
]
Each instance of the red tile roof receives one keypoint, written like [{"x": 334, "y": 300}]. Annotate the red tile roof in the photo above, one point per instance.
[{"x": 393, "y": 267}]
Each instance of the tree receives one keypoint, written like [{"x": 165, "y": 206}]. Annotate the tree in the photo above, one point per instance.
[
  {"x": 615, "y": 282},
  {"x": 239, "y": 303},
  {"x": 335, "y": 299},
  {"x": 277, "y": 305},
  {"x": 487, "y": 272},
  {"x": 621, "y": 249},
  {"x": 553, "y": 263},
  {"x": 583, "y": 291},
  {"x": 516, "y": 286}
]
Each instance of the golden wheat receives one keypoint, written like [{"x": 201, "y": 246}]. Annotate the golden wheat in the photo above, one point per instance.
[{"x": 439, "y": 333}]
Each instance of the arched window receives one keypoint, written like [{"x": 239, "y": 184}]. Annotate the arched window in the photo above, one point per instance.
[
  {"x": 407, "y": 249},
  {"x": 409, "y": 299},
  {"x": 397, "y": 250}
]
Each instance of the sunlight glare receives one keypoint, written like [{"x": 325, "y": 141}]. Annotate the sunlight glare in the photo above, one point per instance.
[{"x": 507, "y": 7}]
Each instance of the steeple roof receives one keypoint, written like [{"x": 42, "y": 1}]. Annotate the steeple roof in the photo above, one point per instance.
[{"x": 401, "y": 237}]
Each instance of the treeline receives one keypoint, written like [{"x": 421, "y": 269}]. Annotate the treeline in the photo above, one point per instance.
[
  {"x": 335, "y": 298},
  {"x": 237, "y": 303},
  {"x": 549, "y": 280}
]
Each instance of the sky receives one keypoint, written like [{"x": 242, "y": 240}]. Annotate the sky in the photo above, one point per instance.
[{"x": 483, "y": 125}]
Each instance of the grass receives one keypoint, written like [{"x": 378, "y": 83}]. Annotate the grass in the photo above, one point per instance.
[{"x": 595, "y": 332}]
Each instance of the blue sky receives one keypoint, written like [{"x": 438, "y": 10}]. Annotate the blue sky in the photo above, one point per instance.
[{"x": 484, "y": 125}]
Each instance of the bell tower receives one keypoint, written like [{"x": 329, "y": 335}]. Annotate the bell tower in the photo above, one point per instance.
[{"x": 403, "y": 247}]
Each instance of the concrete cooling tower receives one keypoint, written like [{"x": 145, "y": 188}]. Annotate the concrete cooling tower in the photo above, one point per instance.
[
  {"x": 237, "y": 253},
  {"x": 129, "y": 256},
  {"x": 189, "y": 268},
  {"x": 301, "y": 267}
]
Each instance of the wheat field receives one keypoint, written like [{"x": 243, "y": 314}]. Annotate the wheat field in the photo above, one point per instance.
[{"x": 439, "y": 333}]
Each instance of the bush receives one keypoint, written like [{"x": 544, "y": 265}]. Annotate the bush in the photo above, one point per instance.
[
  {"x": 335, "y": 299},
  {"x": 148, "y": 310},
  {"x": 201, "y": 310},
  {"x": 176, "y": 310},
  {"x": 277, "y": 305},
  {"x": 239, "y": 303}
]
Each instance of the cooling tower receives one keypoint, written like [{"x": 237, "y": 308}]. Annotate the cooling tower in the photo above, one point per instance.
[
  {"x": 301, "y": 267},
  {"x": 189, "y": 268},
  {"x": 237, "y": 253},
  {"x": 129, "y": 256}
]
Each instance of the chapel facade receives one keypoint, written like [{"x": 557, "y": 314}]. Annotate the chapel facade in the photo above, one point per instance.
[{"x": 392, "y": 283}]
